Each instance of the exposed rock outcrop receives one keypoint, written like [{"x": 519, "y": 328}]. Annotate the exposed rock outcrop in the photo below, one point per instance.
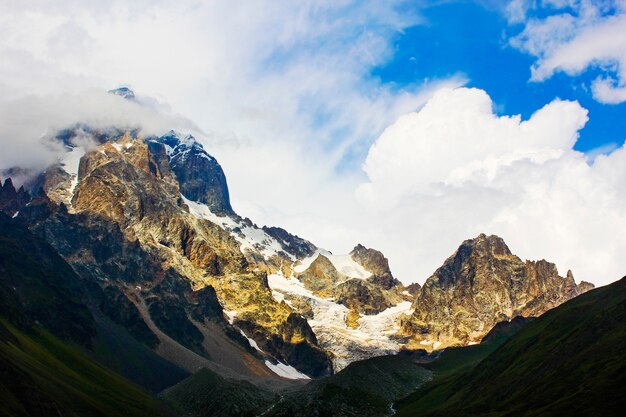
[
  {"x": 481, "y": 284},
  {"x": 375, "y": 262},
  {"x": 199, "y": 175},
  {"x": 321, "y": 277},
  {"x": 10, "y": 199},
  {"x": 293, "y": 244}
]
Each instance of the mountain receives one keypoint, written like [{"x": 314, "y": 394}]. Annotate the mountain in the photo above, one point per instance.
[
  {"x": 117, "y": 214},
  {"x": 207, "y": 394},
  {"x": 481, "y": 284},
  {"x": 149, "y": 221},
  {"x": 353, "y": 310},
  {"x": 569, "y": 361},
  {"x": 173, "y": 276}
]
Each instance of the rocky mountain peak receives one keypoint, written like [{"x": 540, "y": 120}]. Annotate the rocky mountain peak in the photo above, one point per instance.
[
  {"x": 491, "y": 244},
  {"x": 10, "y": 199},
  {"x": 123, "y": 92},
  {"x": 199, "y": 175},
  {"x": 371, "y": 259},
  {"x": 375, "y": 262},
  {"x": 483, "y": 283},
  {"x": 8, "y": 188}
]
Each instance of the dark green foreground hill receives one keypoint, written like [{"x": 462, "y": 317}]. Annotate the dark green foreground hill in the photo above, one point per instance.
[
  {"x": 571, "y": 361},
  {"x": 41, "y": 375}
]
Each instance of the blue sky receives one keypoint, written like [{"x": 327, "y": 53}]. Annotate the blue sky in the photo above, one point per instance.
[{"x": 447, "y": 45}]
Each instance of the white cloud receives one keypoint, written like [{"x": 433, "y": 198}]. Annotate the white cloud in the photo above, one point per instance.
[
  {"x": 593, "y": 36},
  {"x": 27, "y": 123},
  {"x": 516, "y": 10},
  {"x": 455, "y": 169}
]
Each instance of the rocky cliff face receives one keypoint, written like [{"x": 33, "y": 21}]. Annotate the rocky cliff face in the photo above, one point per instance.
[
  {"x": 481, "y": 284},
  {"x": 10, "y": 199},
  {"x": 199, "y": 175},
  {"x": 375, "y": 262}
]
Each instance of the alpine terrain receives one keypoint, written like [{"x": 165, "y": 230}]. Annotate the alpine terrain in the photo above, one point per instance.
[{"x": 130, "y": 286}]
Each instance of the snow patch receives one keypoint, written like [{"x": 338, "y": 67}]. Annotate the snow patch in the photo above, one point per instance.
[
  {"x": 372, "y": 337},
  {"x": 202, "y": 211},
  {"x": 342, "y": 263},
  {"x": 285, "y": 371},
  {"x": 71, "y": 163},
  {"x": 251, "y": 341},
  {"x": 121, "y": 147},
  {"x": 230, "y": 316},
  {"x": 71, "y": 160},
  {"x": 279, "y": 297},
  {"x": 385, "y": 322},
  {"x": 435, "y": 344},
  {"x": 249, "y": 237}
]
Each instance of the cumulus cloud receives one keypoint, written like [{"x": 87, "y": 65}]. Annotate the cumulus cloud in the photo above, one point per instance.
[
  {"x": 455, "y": 169},
  {"x": 577, "y": 35}
]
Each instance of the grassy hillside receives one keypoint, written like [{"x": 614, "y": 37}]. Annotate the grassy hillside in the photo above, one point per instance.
[
  {"x": 570, "y": 361},
  {"x": 42, "y": 375},
  {"x": 49, "y": 339}
]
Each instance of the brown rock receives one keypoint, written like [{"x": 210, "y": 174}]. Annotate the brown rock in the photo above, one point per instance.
[{"x": 481, "y": 284}]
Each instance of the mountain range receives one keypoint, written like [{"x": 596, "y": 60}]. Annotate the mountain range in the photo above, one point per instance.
[{"x": 125, "y": 259}]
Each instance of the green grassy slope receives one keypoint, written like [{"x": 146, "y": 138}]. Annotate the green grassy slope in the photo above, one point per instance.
[
  {"x": 570, "y": 361},
  {"x": 42, "y": 375},
  {"x": 455, "y": 359}
]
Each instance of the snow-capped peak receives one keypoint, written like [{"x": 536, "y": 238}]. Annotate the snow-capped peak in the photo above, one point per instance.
[{"x": 123, "y": 92}]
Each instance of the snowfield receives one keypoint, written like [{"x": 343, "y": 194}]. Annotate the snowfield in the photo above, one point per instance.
[
  {"x": 285, "y": 371},
  {"x": 250, "y": 238},
  {"x": 370, "y": 338}
]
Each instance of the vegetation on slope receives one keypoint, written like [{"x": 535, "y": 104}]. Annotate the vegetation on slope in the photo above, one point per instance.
[{"x": 42, "y": 375}]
